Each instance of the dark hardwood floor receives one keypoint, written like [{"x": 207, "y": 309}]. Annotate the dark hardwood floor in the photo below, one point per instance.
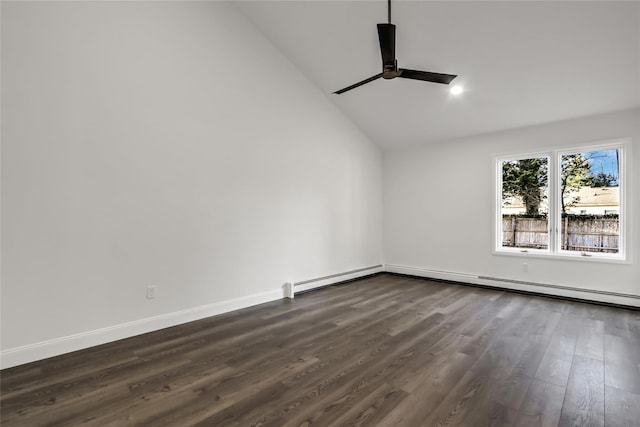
[{"x": 383, "y": 351}]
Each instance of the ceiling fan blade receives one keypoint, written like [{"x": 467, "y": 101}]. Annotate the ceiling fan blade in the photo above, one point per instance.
[
  {"x": 426, "y": 76},
  {"x": 387, "y": 38},
  {"x": 370, "y": 79}
]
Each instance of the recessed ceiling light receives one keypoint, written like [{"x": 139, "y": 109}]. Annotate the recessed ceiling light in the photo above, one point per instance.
[{"x": 456, "y": 90}]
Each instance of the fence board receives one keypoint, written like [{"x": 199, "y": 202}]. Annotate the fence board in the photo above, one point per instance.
[{"x": 589, "y": 234}]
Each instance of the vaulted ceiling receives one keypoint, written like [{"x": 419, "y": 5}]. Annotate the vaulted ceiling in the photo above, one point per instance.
[{"x": 522, "y": 63}]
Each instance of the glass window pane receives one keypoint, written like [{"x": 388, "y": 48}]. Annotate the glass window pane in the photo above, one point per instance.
[
  {"x": 525, "y": 207},
  {"x": 590, "y": 201}
]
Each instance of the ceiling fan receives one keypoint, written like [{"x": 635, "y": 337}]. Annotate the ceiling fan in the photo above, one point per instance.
[{"x": 390, "y": 70}]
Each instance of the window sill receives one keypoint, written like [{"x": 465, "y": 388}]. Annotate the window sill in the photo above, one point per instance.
[{"x": 563, "y": 256}]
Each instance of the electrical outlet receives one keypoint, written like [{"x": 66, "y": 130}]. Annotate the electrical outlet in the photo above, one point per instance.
[
  {"x": 525, "y": 267},
  {"x": 151, "y": 292}
]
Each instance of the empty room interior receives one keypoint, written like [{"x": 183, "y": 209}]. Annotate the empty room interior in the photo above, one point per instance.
[{"x": 320, "y": 213}]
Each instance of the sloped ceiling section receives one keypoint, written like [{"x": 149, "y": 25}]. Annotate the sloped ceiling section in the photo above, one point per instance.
[{"x": 521, "y": 63}]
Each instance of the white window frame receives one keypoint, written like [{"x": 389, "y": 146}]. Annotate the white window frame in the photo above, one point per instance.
[
  {"x": 554, "y": 215},
  {"x": 498, "y": 216}
]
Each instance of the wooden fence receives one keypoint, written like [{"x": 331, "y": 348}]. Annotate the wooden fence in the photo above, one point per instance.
[{"x": 584, "y": 234}]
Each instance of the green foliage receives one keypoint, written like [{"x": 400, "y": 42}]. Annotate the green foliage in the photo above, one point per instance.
[
  {"x": 526, "y": 179},
  {"x": 524, "y": 215},
  {"x": 575, "y": 173},
  {"x": 588, "y": 216},
  {"x": 602, "y": 179}
]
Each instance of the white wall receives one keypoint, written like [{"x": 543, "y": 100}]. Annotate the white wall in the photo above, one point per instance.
[
  {"x": 165, "y": 144},
  {"x": 422, "y": 233}
]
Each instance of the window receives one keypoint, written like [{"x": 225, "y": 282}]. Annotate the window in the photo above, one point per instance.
[
  {"x": 562, "y": 203},
  {"x": 525, "y": 207}
]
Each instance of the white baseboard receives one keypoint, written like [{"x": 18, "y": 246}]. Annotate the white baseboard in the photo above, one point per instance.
[
  {"x": 540, "y": 288},
  {"x": 57, "y": 346}
]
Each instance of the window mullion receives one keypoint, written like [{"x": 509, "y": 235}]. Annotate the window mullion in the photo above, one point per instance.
[{"x": 554, "y": 201}]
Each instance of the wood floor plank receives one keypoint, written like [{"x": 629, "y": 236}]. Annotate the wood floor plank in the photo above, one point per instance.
[
  {"x": 102, "y": 382},
  {"x": 459, "y": 402},
  {"x": 375, "y": 365},
  {"x": 555, "y": 365},
  {"x": 386, "y": 350},
  {"x": 428, "y": 389},
  {"x": 590, "y": 341},
  {"x": 621, "y": 408},
  {"x": 369, "y": 410},
  {"x": 622, "y": 357},
  {"x": 542, "y": 405},
  {"x": 584, "y": 400},
  {"x": 632, "y": 319}
]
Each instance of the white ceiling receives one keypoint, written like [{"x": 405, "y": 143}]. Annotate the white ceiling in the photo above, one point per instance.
[{"x": 521, "y": 63}]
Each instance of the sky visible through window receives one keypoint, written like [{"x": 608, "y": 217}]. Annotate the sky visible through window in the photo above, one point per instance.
[{"x": 605, "y": 161}]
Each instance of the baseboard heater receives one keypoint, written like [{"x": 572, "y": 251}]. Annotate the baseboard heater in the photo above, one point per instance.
[
  {"x": 566, "y": 288},
  {"x": 293, "y": 288},
  {"x": 561, "y": 291}
]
